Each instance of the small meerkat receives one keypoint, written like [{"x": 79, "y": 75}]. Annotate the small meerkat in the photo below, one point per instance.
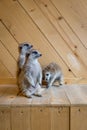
[
  {"x": 30, "y": 78},
  {"x": 53, "y": 73}
]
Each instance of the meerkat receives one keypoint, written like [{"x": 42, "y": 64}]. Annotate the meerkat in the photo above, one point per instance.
[
  {"x": 53, "y": 73},
  {"x": 23, "y": 49},
  {"x": 30, "y": 78}
]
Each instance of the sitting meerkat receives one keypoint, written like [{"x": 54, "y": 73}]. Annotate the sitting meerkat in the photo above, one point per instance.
[
  {"x": 30, "y": 78},
  {"x": 53, "y": 73}
]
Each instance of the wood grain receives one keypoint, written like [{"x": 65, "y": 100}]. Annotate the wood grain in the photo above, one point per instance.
[
  {"x": 56, "y": 28},
  {"x": 78, "y": 118},
  {"x": 77, "y": 94},
  {"x": 20, "y": 118},
  {"x": 51, "y": 33},
  {"x": 5, "y": 118},
  {"x": 75, "y": 14}
]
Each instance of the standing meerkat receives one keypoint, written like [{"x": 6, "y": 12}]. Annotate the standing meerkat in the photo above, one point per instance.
[
  {"x": 23, "y": 49},
  {"x": 53, "y": 73},
  {"x": 30, "y": 78}
]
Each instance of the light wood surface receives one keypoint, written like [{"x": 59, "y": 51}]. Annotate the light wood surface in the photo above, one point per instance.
[
  {"x": 60, "y": 118},
  {"x": 59, "y": 108},
  {"x": 78, "y": 118},
  {"x": 57, "y": 28},
  {"x": 77, "y": 94},
  {"x": 5, "y": 118}
]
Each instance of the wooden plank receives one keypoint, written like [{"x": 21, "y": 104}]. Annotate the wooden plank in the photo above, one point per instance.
[
  {"x": 41, "y": 118},
  {"x": 8, "y": 60},
  {"x": 23, "y": 32},
  {"x": 64, "y": 29},
  {"x": 78, "y": 119},
  {"x": 60, "y": 118},
  {"x": 3, "y": 71},
  {"x": 8, "y": 41},
  {"x": 51, "y": 34},
  {"x": 20, "y": 117},
  {"x": 5, "y": 118},
  {"x": 75, "y": 81},
  {"x": 75, "y": 14},
  {"x": 9, "y": 95},
  {"x": 58, "y": 97},
  {"x": 2, "y": 90},
  {"x": 44, "y": 100},
  {"x": 20, "y": 100},
  {"x": 77, "y": 94},
  {"x": 8, "y": 80}
]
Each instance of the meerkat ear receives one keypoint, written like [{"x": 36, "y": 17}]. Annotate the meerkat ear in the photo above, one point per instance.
[
  {"x": 21, "y": 45},
  {"x": 27, "y": 54}
]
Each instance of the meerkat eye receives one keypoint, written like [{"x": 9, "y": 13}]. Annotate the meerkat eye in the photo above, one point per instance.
[
  {"x": 47, "y": 74},
  {"x": 35, "y": 52},
  {"x": 26, "y": 44}
]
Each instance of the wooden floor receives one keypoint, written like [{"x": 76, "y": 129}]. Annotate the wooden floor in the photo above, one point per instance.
[
  {"x": 58, "y": 28},
  {"x": 60, "y": 108}
]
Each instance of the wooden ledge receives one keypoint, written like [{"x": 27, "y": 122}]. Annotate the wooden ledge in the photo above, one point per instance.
[
  {"x": 66, "y": 95},
  {"x": 54, "y": 96}
]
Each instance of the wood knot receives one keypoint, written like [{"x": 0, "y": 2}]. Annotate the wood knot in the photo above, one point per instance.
[
  {"x": 79, "y": 110},
  {"x": 75, "y": 46},
  {"x": 60, "y": 18},
  {"x": 41, "y": 110},
  {"x": 75, "y": 54},
  {"x": 22, "y": 112},
  {"x": 45, "y": 5},
  {"x": 32, "y": 10},
  {"x": 69, "y": 69},
  {"x": 2, "y": 112}
]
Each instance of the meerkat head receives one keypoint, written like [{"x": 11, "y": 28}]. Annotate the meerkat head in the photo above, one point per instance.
[
  {"x": 34, "y": 54},
  {"x": 47, "y": 76},
  {"x": 24, "y": 47}
]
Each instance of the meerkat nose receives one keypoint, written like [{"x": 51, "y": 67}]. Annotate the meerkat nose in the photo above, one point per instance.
[
  {"x": 31, "y": 46},
  {"x": 40, "y": 54}
]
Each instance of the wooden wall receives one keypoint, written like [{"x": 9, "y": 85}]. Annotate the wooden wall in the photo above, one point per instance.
[{"x": 57, "y": 28}]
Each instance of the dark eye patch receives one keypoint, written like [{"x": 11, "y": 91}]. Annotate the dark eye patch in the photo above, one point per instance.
[
  {"x": 47, "y": 74},
  {"x": 35, "y": 52},
  {"x": 26, "y": 44}
]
